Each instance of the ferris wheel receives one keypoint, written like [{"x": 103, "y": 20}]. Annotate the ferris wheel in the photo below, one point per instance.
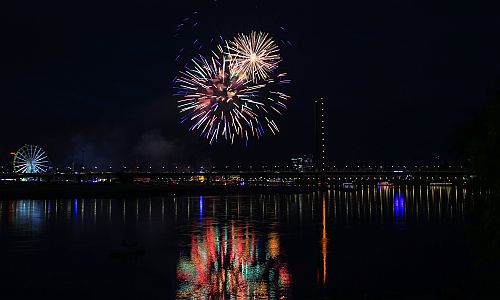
[{"x": 31, "y": 159}]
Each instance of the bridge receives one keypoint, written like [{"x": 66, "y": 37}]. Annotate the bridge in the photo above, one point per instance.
[{"x": 419, "y": 176}]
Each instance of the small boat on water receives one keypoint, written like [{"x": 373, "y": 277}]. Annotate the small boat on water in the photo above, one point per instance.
[{"x": 385, "y": 183}]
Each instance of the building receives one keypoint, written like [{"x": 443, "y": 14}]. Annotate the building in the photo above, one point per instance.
[{"x": 302, "y": 163}]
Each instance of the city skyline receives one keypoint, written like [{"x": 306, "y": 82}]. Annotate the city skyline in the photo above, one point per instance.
[{"x": 395, "y": 93}]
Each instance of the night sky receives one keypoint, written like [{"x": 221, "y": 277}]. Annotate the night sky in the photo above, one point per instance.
[{"x": 401, "y": 78}]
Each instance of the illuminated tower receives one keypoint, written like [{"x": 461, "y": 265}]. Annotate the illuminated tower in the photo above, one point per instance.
[{"x": 319, "y": 155}]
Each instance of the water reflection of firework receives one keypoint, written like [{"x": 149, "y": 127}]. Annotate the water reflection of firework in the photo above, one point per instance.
[{"x": 229, "y": 262}]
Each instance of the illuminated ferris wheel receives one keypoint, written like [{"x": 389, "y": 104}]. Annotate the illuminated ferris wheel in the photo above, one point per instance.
[{"x": 31, "y": 159}]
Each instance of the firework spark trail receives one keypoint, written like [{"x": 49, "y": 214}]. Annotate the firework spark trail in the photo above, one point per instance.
[{"x": 255, "y": 54}]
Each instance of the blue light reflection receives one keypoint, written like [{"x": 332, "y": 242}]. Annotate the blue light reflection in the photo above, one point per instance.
[{"x": 399, "y": 207}]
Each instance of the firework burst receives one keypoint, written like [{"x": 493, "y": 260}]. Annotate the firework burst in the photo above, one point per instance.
[
  {"x": 255, "y": 54},
  {"x": 218, "y": 97},
  {"x": 219, "y": 101}
]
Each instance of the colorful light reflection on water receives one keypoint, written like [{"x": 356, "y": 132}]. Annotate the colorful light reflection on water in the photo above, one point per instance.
[
  {"x": 277, "y": 246},
  {"x": 399, "y": 206},
  {"x": 231, "y": 261}
]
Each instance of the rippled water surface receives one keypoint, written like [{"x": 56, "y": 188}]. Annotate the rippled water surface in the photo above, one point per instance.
[{"x": 375, "y": 242}]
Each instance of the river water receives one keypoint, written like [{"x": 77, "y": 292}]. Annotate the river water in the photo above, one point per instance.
[{"x": 389, "y": 242}]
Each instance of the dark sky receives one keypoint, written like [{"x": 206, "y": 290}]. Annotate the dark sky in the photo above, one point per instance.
[{"x": 400, "y": 77}]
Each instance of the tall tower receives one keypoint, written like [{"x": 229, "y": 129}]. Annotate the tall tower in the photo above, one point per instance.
[{"x": 319, "y": 155}]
